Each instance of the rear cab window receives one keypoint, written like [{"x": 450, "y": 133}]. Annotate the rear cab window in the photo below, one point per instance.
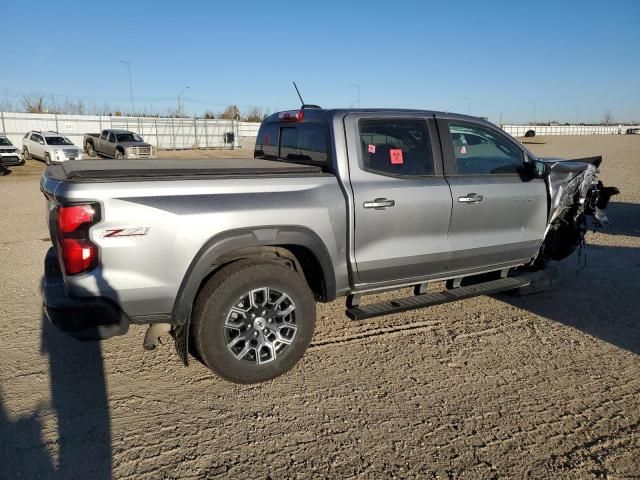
[{"x": 304, "y": 143}]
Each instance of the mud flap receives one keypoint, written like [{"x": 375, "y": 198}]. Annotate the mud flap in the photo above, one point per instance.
[{"x": 181, "y": 337}]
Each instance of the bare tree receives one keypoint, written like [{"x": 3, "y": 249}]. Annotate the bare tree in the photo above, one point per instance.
[
  {"x": 607, "y": 118},
  {"x": 254, "y": 114},
  {"x": 34, "y": 103},
  {"x": 232, "y": 112}
]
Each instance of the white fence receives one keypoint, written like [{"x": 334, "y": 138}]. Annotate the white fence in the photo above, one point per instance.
[
  {"x": 179, "y": 133},
  {"x": 163, "y": 133},
  {"x": 520, "y": 130}
]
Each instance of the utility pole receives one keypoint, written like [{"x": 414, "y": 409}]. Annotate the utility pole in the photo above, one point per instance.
[
  {"x": 179, "y": 113},
  {"x": 357, "y": 87},
  {"x": 501, "y": 113},
  {"x": 534, "y": 112},
  {"x": 128, "y": 65},
  {"x": 468, "y": 104}
]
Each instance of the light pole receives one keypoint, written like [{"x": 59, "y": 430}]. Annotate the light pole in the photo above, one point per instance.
[
  {"x": 357, "y": 87},
  {"x": 468, "y": 104},
  {"x": 501, "y": 113},
  {"x": 128, "y": 65},
  {"x": 180, "y": 106},
  {"x": 534, "y": 112}
]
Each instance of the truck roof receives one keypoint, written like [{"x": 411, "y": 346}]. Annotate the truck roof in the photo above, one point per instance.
[
  {"x": 324, "y": 114},
  {"x": 116, "y": 130}
]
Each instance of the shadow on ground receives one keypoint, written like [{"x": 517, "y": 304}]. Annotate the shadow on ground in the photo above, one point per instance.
[
  {"x": 625, "y": 219},
  {"x": 80, "y": 406},
  {"x": 603, "y": 298}
]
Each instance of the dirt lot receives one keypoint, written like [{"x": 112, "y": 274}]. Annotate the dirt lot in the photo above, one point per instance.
[{"x": 546, "y": 386}]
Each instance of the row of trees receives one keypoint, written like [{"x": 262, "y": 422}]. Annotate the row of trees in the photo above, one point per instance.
[{"x": 36, "y": 103}]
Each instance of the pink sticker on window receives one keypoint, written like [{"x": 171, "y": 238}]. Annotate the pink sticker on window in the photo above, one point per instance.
[
  {"x": 265, "y": 140},
  {"x": 396, "y": 156},
  {"x": 463, "y": 150},
  {"x": 372, "y": 149}
]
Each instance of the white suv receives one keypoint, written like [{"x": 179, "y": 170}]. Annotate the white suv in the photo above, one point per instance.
[{"x": 52, "y": 147}]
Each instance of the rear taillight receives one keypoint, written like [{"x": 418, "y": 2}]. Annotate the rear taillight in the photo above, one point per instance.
[
  {"x": 72, "y": 217},
  {"x": 291, "y": 116},
  {"x": 78, "y": 253}
]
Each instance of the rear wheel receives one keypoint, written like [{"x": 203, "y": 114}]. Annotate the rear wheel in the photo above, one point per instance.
[
  {"x": 25, "y": 154},
  {"x": 47, "y": 159},
  {"x": 253, "y": 321},
  {"x": 90, "y": 150}
]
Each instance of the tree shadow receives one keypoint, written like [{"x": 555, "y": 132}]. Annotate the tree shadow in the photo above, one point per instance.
[{"x": 602, "y": 299}]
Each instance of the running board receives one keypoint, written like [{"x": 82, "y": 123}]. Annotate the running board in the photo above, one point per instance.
[{"x": 436, "y": 298}]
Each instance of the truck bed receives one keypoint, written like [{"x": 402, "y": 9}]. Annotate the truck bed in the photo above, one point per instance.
[{"x": 167, "y": 169}]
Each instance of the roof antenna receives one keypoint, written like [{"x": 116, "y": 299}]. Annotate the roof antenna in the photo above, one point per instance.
[
  {"x": 304, "y": 105},
  {"x": 299, "y": 96}
]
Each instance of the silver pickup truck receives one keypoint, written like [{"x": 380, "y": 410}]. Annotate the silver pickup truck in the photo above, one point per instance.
[
  {"x": 117, "y": 144},
  {"x": 231, "y": 255}
]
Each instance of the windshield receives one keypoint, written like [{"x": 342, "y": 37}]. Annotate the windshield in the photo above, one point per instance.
[
  {"x": 58, "y": 141},
  {"x": 4, "y": 141},
  {"x": 129, "y": 137}
]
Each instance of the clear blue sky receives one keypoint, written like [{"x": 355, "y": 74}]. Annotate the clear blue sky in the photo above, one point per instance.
[{"x": 504, "y": 56}]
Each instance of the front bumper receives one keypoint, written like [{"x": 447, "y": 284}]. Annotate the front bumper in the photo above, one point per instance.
[
  {"x": 12, "y": 160},
  {"x": 91, "y": 318}
]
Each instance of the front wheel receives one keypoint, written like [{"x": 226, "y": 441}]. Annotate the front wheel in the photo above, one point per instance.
[
  {"x": 253, "y": 321},
  {"x": 118, "y": 155},
  {"x": 90, "y": 150},
  {"x": 25, "y": 154}
]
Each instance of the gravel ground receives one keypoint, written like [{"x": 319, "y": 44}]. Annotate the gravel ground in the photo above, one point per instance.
[{"x": 546, "y": 386}]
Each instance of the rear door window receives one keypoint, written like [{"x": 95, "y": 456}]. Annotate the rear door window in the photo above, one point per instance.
[
  {"x": 396, "y": 146},
  {"x": 304, "y": 143}
]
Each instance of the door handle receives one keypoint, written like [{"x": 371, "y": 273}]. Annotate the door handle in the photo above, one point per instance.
[
  {"x": 470, "y": 198},
  {"x": 379, "y": 203}
]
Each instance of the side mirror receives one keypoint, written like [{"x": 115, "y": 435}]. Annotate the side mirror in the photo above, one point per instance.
[{"x": 536, "y": 169}]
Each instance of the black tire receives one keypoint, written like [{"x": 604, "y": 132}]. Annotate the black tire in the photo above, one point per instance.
[
  {"x": 530, "y": 133},
  {"x": 118, "y": 155},
  {"x": 228, "y": 287},
  {"x": 90, "y": 150},
  {"x": 25, "y": 154},
  {"x": 47, "y": 159}
]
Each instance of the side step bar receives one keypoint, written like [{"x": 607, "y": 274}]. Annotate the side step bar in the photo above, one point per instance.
[{"x": 436, "y": 298}]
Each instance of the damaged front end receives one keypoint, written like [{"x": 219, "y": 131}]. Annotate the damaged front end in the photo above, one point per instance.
[{"x": 577, "y": 202}]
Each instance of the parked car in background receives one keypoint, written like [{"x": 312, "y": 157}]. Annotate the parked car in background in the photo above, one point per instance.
[
  {"x": 52, "y": 147},
  {"x": 9, "y": 154},
  {"x": 633, "y": 131},
  {"x": 117, "y": 144}
]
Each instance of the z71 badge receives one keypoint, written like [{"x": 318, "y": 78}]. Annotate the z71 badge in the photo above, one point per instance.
[{"x": 125, "y": 232}]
